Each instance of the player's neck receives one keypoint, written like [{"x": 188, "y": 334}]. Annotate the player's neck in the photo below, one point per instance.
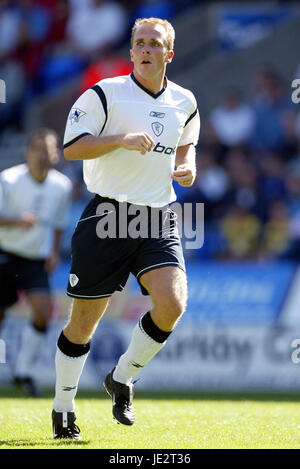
[
  {"x": 155, "y": 85},
  {"x": 39, "y": 175}
]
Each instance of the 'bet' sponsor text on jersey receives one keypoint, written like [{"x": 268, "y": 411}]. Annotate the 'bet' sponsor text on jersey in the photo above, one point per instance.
[{"x": 162, "y": 149}]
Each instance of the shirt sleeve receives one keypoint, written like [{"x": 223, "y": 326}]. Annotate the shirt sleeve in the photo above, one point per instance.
[
  {"x": 191, "y": 129},
  {"x": 87, "y": 116}
]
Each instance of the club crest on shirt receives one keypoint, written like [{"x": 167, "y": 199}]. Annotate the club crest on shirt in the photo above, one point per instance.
[
  {"x": 73, "y": 280},
  {"x": 157, "y": 128},
  {"x": 76, "y": 114}
]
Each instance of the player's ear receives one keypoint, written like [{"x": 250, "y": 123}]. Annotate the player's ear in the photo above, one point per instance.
[
  {"x": 131, "y": 56},
  {"x": 170, "y": 56}
]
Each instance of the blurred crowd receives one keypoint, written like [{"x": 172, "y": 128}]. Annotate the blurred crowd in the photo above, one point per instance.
[
  {"x": 249, "y": 149},
  {"x": 249, "y": 173},
  {"x": 45, "y": 43}
]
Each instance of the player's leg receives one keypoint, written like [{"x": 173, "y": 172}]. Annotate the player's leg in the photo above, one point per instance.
[
  {"x": 8, "y": 289},
  {"x": 33, "y": 279},
  {"x": 72, "y": 351},
  {"x": 168, "y": 289},
  {"x": 159, "y": 267},
  {"x": 32, "y": 340}
]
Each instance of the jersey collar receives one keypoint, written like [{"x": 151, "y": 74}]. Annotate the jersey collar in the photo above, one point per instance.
[{"x": 153, "y": 95}]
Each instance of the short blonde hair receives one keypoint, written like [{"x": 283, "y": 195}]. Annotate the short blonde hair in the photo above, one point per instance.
[{"x": 168, "y": 27}]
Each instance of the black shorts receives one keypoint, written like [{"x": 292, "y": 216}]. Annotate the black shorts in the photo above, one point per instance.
[
  {"x": 101, "y": 265},
  {"x": 18, "y": 273}
]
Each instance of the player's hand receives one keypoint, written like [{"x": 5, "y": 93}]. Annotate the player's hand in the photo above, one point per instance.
[
  {"x": 141, "y": 142},
  {"x": 52, "y": 262},
  {"x": 184, "y": 175},
  {"x": 27, "y": 220}
]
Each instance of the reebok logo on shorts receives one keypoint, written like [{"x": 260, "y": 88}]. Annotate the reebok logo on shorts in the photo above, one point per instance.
[{"x": 73, "y": 280}]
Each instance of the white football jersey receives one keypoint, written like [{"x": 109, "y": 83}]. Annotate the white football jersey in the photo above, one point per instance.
[
  {"x": 49, "y": 200},
  {"x": 122, "y": 105}
]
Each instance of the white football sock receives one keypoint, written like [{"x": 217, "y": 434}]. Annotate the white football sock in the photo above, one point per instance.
[
  {"x": 141, "y": 350},
  {"x": 30, "y": 345},
  {"x": 68, "y": 372}
]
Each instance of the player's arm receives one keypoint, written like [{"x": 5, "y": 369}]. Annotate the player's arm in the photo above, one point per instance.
[
  {"x": 84, "y": 139},
  {"x": 25, "y": 220},
  {"x": 89, "y": 147},
  {"x": 185, "y": 161}
]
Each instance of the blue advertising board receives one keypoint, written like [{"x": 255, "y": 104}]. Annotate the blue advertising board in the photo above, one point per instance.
[
  {"x": 238, "y": 27},
  {"x": 237, "y": 293},
  {"x": 226, "y": 293}
]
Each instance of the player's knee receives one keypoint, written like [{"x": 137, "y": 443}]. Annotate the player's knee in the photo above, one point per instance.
[
  {"x": 80, "y": 329},
  {"x": 172, "y": 307}
]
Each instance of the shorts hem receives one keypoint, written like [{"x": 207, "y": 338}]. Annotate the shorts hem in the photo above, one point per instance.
[
  {"x": 73, "y": 295},
  {"x": 157, "y": 266}
]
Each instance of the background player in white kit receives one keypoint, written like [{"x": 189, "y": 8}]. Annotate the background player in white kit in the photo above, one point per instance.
[
  {"x": 130, "y": 132},
  {"x": 34, "y": 200}
]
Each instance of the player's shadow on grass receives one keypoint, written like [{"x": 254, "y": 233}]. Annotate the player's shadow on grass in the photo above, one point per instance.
[{"x": 14, "y": 443}]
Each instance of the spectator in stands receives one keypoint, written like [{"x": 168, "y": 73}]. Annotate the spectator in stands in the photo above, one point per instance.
[
  {"x": 33, "y": 30},
  {"x": 109, "y": 65},
  {"x": 100, "y": 24},
  {"x": 155, "y": 8},
  {"x": 271, "y": 168},
  {"x": 293, "y": 188},
  {"x": 271, "y": 104},
  {"x": 233, "y": 120},
  {"x": 59, "y": 19},
  {"x": 13, "y": 75},
  {"x": 10, "y": 21},
  {"x": 210, "y": 186},
  {"x": 245, "y": 187},
  {"x": 37, "y": 19},
  {"x": 241, "y": 231},
  {"x": 275, "y": 236}
]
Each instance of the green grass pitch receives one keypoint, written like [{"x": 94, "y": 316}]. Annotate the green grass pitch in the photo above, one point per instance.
[{"x": 163, "y": 421}]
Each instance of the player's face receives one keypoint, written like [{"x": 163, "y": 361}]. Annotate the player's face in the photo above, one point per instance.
[
  {"x": 149, "y": 52},
  {"x": 45, "y": 153}
]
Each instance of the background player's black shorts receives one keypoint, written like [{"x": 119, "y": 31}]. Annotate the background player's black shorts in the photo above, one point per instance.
[
  {"x": 18, "y": 273},
  {"x": 100, "y": 266}
]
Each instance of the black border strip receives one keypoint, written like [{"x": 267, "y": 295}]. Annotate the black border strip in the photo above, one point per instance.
[
  {"x": 103, "y": 100},
  {"x": 191, "y": 117},
  {"x": 75, "y": 139}
]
